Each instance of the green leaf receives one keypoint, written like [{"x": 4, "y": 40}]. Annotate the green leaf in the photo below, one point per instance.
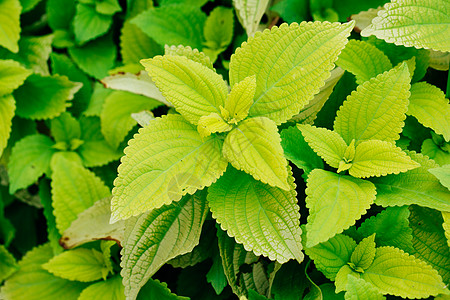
[
  {"x": 116, "y": 114},
  {"x": 363, "y": 60},
  {"x": 136, "y": 45},
  {"x": 165, "y": 161},
  {"x": 298, "y": 151},
  {"x": 8, "y": 264},
  {"x": 342, "y": 277},
  {"x": 443, "y": 174},
  {"x": 218, "y": 28},
  {"x": 107, "y": 7},
  {"x": 78, "y": 265},
  {"x": 50, "y": 96},
  {"x": 7, "y": 108},
  {"x": 376, "y": 110},
  {"x": 250, "y": 14},
  {"x": 65, "y": 128},
  {"x": 292, "y": 10},
  {"x": 74, "y": 189},
  {"x": 89, "y": 24},
  {"x": 93, "y": 224},
  {"x": 154, "y": 238},
  {"x": 429, "y": 105},
  {"x": 380, "y": 158},
  {"x": 30, "y": 158},
  {"x": 111, "y": 289},
  {"x": 416, "y": 186},
  {"x": 326, "y": 143},
  {"x": 95, "y": 58},
  {"x": 446, "y": 225},
  {"x": 192, "y": 54},
  {"x": 254, "y": 147},
  {"x": 192, "y": 88},
  {"x": 330, "y": 256},
  {"x": 134, "y": 7},
  {"x": 240, "y": 100},
  {"x": 413, "y": 24},
  {"x": 439, "y": 60},
  {"x": 96, "y": 101},
  {"x": 358, "y": 289},
  {"x": 46, "y": 201},
  {"x": 212, "y": 123},
  {"x": 154, "y": 289},
  {"x": 436, "y": 152},
  {"x": 290, "y": 282},
  {"x": 274, "y": 231},
  {"x": 302, "y": 56},
  {"x": 335, "y": 202},
  {"x": 28, "y": 5},
  {"x": 216, "y": 275},
  {"x": 10, "y": 24},
  {"x": 363, "y": 255},
  {"x": 34, "y": 283},
  {"x": 12, "y": 75},
  {"x": 178, "y": 24},
  {"x": 60, "y": 13},
  {"x": 429, "y": 241},
  {"x": 398, "y": 273}
]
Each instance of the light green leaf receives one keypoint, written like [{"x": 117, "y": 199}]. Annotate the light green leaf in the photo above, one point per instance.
[
  {"x": 330, "y": 256},
  {"x": 363, "y": 255},
  {"x": 165, "y": 161},
  {"x": 10, "y": 24},
  {"x": 107, "y": 7},
  {"x": 254, "y": 147},
  {"x": 420, "y": 24},
  {"x": 7, "y": 108},
  {"x": 89, "y": 24},
  {"x": 250, "y": 14},
  {"x": 74, "y": 189},
  {"x": 218, "y": 28},
  {"x": 358, "y": 289},
  {"x": 178, "y": 24},
  {"x": 264, "y": 219},
  {"x": 93, "y": 224},
  {"x": 429, "y": 241},
  {"x": 95, "y": 58},
  {"x": 111, "y": 289},
  {"x": 364, "y": 18},
  {"x": 97, "y": 99},
  {"x": 32, "y": 282},
  {"x": 429, "y": 105},
  {"x": 443, "y": 174},
  {"x": 436, "y": 151},
  {"x": 439, "y": 60},
  {"x": 192, "y": 54},
  {"x": 8, "y": 264},
  {"x": 78, "y": 265},
  {"x": 65, "y": 128},
  {"x": 154, "y": 289},
  {"x": 212, "y": 123},
  {"x": 326, "y": 143},
  {"x": 416, "y": 186},
  {"x": 376, "y": 110},
  {"x": 136, "y": 45},
  {"x": 291, "y": 64},
  {"x": 12, "y": 75},
  {"x": 398, "y": 273},
  {"x": 116, "y": 117},
  {"x": 380, "y": 158},
  {"x": 50, "y": 96},
  {"x": 192, "y": 88},
  {"x": 240, "y": 100},
  {"x": 30, "y": 158},
  {"x": 342, "y": 277},
  {"x": 335, "y": 202},
  {"x": 154, "y": 238},
  {"x": 446, "y": 225},
  {"x": 363, "y": 60}
]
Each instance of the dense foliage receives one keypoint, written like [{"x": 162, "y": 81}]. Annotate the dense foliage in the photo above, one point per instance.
[{"x": 224, "y": 149}]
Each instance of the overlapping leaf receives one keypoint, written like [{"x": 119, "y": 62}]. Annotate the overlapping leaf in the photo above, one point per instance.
[
  {"x": 212, "y": 123},
  {"x": 218, "y": 28},
  {"x": 7, "y": 108},
  {"x": 363, "y": 255},
  {"x": 240, "y": 100},
  {"x": 358, "y": 289},
  {"x": 111, "y": 289},
  {"x": 10, "y": 24},
  {"x": 443, "y": 174},
  {"x": 12, "y": 75},
  {"x": 155, "y": 289},
  {"x": 250, "y": 13},
  {"x": 8, "y": 264},
  {"x": 89, "y": 24},
  {"x": 192, "y": 54}
]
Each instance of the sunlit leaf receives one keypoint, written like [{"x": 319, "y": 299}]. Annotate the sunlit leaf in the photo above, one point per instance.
[{"x": 10, "y": 24}]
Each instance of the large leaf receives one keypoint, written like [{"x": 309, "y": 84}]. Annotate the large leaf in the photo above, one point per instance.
[
  {"x": 398, "y": 273},
  {"x": 250, "y": 13},
  {"x": 191, "y": 87},
  {"x": 335, "y": 202},
  {"x": 443, "y": 174},
  {"x": 416, "y": 186},
  {"x": 12, "y": 75},
  {"x": 7, "y": 108},
  {"x": 50, "y": 96},
  {"x": 34, "y": 283},
  {"x": 10, "y": 24},
  {"x": 291, "y": 64},
  {"x": 154, "y": 238},
  {"x": 376, "y": 110},
  {"x": 179, "y": 24},
  {"x": 429, "y": 105},
  {"x": 422, "y": 24},
  {"x": 254, "y": 147},
  {"x": 111, "y": 289},
  {"x": 74, "y": 189},
  {"x": 30, "y": 158},
  {"x": 166, "y": 160},
  {"x": 264, "y": 219},
  {"x": 89, "y": 24}
]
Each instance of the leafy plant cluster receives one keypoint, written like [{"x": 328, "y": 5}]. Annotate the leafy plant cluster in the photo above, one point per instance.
[{"x": 265, "y": 157}]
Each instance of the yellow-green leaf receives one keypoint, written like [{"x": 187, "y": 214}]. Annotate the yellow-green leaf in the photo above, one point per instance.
[
  {"x": 342, "y": 277},
  {"x": 7, "y": 108},
  {"x": 240, "y": 99},
  {"x": 358, "y": 289},
  {"x": 10, "y": 24},
  {"x": 111, "y": 289},
  {"x": 12, "y": 75},
  {"x": 218, "y": 28},
  {"x": 192, "y": 54},
  {"x": 363, "y": 255},
  {"x": 212, "y": 123}
]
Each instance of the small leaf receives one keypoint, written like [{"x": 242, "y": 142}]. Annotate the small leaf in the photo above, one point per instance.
[
  {"x": 10, "y": 24},
  {"x": 410, "y": 23},
  {"x": 212, "y": 123},
  {"x": 8, "y": 264},
  {"x": 216, "y": 275},
  {"x": 65, "y": 128},
  {"x": 363, "y": 255},
  {"x": 250, "y": 14},
  {"x": 358, "y": 289},
  {"x": 7, "y": 108},
  {"x": 165, "y": 161},
  {"x": 380, "y": 158},
  {"x": 434, "y": 150},
  {"x": 192, "y": 54},
  {"x": 154, "y": 238},
  {"x": 111, "y": 289},
  {"x": 240, "y": 99},
  {"x": 107, "y": 7},
  {"x": 291, "y": 64},
  {"x": 30, "y": 158},
  {"x": 335, "y": 202},
  {"x": 376, "y": 110},
  {"x": 12, "y": 75},
  {"x": 218, "y": 28},
  {"x": 89, "y": 24},
  {"x": 264, "y": 219},
  {"x": 342, "y": 277},
  {"x": 154, "y": 289},
  {"x": 254, "y": 147},
  {"x": 326, "y": 143},
  {"x": 79, "y": 265},
  {"x": 60, "y": 13},
  {"x": 429, "y": 105},
  {"x": 443, "y": 174}
]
